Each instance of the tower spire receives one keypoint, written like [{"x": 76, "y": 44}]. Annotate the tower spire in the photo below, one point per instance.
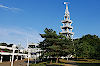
[
  {"x": 67, "y": 28},
  {"x": 66, "y": 3}
]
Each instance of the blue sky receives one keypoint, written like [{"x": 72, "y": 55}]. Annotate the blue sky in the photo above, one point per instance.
[{"x": 22, "y": 19}]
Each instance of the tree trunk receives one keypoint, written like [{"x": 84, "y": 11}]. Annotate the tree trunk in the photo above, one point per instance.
[
  {"x": 57, "y": 60},
  {"x": 67, "y": 58},
  {"x": 77, "y": 57},
  {"x": 51, "y": 61}
]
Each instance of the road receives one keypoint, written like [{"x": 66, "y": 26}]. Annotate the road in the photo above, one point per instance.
[{"x": 16, "y": 63}]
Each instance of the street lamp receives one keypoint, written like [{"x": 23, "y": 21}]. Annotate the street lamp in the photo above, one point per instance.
[
  {"x": 29, "y": 50},
  {"x": 14, "y": 46},
  {"x": 35, "y": 58}
]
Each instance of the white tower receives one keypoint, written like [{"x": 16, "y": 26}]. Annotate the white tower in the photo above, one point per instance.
[{"x": 67, "y": 28}]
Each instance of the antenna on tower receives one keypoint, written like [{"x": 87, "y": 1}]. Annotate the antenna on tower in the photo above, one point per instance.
[{"x": 66, "y": 3}]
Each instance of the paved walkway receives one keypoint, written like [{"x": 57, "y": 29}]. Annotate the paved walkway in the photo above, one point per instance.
[{"x": 16, "y": 63}]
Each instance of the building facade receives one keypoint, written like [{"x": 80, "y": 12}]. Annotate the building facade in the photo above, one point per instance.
[
  {"x": 35, "y": 52},
  {"x": 6, "y": 53}
]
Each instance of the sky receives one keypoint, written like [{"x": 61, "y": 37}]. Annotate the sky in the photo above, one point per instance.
[{"x": 26, "y": 19}]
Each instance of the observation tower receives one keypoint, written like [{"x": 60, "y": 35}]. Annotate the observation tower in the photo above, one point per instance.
[{"x": 67, "y": 22}]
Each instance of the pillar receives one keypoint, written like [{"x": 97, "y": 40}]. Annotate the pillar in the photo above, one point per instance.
[
  {"x": 63, "y": 24},
  {"x": 35, "y": 57},
  {"x": 10, "y": 58},
  {"x": 16, "y": 58},
  {"x": 1, "y": 59},
  {"x": 21, "y": 57},
  {"x": 67, "y": 58}
]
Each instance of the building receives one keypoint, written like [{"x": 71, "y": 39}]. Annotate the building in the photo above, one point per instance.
[
  {"x": 35, "y": 52},
  {"x": 6, "y": 53},
  {"x": 67, "y": 28}
]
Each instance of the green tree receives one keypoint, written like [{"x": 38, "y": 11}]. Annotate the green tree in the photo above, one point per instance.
[
  {"x": 87, "y": 46},
  {"x": 55, "y": 45}
]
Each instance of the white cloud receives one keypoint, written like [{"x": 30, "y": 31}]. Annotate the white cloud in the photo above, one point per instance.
[
  {"x": 16, "y": 35},
  {"x": 6, "y": 7}
]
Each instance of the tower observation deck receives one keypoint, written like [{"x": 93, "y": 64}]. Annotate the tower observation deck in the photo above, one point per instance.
[{"x": 67, "y": 28}]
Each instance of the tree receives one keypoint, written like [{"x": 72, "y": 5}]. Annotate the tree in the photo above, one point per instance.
[
  {"x": 55, "y": 45},
  {"x": 19, "y": 46},
  {"x": 87, "y": 46}
]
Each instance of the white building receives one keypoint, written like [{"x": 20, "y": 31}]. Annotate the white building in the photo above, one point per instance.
[
  {"x": 7, "y": 52},
  {"x": 35, "y": 52}
]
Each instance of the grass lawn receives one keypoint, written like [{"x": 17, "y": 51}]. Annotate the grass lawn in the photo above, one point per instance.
[
  {"x": 39, "y": 64},
  {"x": 80, "y": 61},
  {"x": 45, "y": 63},
  {"x": 52, "y": 64},
  {"x": 63, "y": 61}
]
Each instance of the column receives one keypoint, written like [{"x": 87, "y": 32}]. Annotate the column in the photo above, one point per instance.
[
  {"x": 29, "y": 50},
  {"x": 10, "y": 58},
  {"x": 67, "y": 30},
  {"x": 67, "y": 58},
  {"x": 63, "y": 24},
  {"x": 16, "y": 58},
  {"x": 35, "y": 57},
  {"x": 1, "y": 59},
  {"x": 21, "y": 57}
]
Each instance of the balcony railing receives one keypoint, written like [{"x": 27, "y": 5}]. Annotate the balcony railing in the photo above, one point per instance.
[
  {"x": 66, "y": 26},
  {"x": 65, "y": 21}
]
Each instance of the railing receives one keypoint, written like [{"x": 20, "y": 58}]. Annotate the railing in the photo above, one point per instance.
[
  {"x": 64, "y": 21},
  {"x": 66, "y": 26},
  {"x": 67, "y": 32}
]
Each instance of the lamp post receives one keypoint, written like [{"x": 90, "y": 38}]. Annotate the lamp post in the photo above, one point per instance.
[
  {"x": 14, "y": 46},
  {"x": 29, "y": 50},
  {"x": 35, "y": 58}
]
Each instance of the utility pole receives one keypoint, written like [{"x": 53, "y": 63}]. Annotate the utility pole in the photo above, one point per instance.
[
  {"x": 29, "y": 50},
  {"x": 14, "y": 46}
]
